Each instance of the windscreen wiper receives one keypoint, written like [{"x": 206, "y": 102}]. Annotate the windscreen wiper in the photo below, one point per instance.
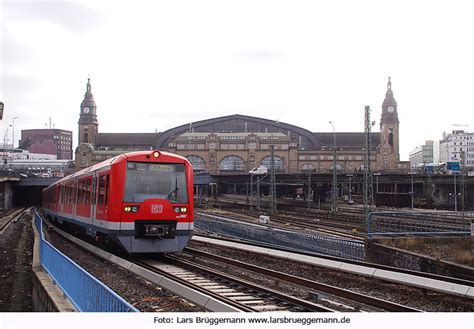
[{"x": 174, "y": 192}]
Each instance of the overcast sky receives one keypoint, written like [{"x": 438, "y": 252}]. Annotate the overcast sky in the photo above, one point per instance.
[{"x": 158, "y": 64}]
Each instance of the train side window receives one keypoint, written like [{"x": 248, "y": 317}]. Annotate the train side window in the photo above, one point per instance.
[
  {"x": 74, "y": 194},
  {"x": 88, "y": 191},
  {"x": 81, "y": 192},
  {"x": 107, "y": 189},
  {"x": 101, "y": 189},
  {"x": 86, "y": 194},
  {"x": 84, "y": 191},
  {"x": 61, "y": 195}
]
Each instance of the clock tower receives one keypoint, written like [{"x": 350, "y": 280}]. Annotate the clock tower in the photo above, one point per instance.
[
  {"x": 88, "y": 124},
  {"x": 388, "y": 151}
]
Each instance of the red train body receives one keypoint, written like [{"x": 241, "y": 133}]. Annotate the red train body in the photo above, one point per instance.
[{"x": 142, "y": 200}]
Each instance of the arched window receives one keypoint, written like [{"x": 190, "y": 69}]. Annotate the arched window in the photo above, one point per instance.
[
  {"x": 232, "y": 163},
  {"x": 390, "y": 136},
  {"x": 338, "y": 167},
  {"x": 278, "y": 163},
  {"x": 198, "y": 163},
  {"x": 308, "y": 167},
  {"x": 86, "y": 138}
]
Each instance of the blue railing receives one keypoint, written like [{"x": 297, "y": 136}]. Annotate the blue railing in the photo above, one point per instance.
[
  {"x": 295, "y": 241},
  {"x": 410, "y": 223},
  {"x": 85, "y": 292}
]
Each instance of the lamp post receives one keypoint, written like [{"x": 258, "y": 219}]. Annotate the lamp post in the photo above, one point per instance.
[
  {"x": 13, "y": 140},
  {"x": 412, "y": 192},
  {"x": 251, "y": 191},
  {"x": 455, "y": 194},
  {"x": 334, "y": 175},
  {"x": 350, "y": 188},
  {"x": 5, "y": 140}
]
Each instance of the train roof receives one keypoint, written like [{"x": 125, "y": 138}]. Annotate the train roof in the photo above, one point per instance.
[{"x": 112, "y": 160}]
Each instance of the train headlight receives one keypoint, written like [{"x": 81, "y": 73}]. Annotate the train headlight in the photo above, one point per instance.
[
  {"x": 180, "y": 210},
  {"x": 135, "y": 208},
  {"x": 127, "y": 208},
  {"x": 156, "y": 154}
]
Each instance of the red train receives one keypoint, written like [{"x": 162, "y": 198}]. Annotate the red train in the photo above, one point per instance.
[{"x": 141, "y": 200}]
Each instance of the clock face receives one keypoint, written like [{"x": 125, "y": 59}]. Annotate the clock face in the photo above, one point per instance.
[
  {"x": 390, "y": 109},
  {"x": 86, "y": 110}
]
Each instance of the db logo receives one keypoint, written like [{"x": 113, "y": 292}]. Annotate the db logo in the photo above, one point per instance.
[{"x": 156, "y": 208}]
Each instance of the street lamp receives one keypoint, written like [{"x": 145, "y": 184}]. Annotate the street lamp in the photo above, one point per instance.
[
  {"x": 350, "y": 188},
  {"x": 251, "y": 190},
  {"x": 13, "y": 139},
  {"x": 5, "y": 140},
  {"x": 455, "y": 194},
  {"x": 334, "y": 175},
  {"x": 412, "y": 192}
]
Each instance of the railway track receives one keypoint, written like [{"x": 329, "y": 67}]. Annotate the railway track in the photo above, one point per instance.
[
  {"x": 349, "y": 261},
  {"x": 379, "y": 281},
  {"x": 11, "y": 216},
  {"x": 346, "y": 300},
  {"x": 248, "y": 294},
  {"x": 242, "y": 294},
  {"x": 206, "y": 287},
  {"x": 350, "y": 219},
  {"x": 304, "y": 224}
]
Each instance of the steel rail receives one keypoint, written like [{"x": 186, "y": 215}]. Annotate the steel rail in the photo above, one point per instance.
[
  {"x": 350, "y": 261},
  {"x": 193, "y": 286},
  {"x": 308, "y": 306},
  {"x": 343, "y": 293}
]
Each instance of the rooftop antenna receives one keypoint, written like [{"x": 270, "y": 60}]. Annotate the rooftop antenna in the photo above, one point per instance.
[{"x": 50, "y": 123}]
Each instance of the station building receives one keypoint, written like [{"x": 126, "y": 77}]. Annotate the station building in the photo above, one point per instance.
[{"x": 234, "y": 144}]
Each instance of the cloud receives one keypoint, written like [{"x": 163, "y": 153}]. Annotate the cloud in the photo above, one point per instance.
[
  {"x": 72, "y": 16},
  {"x": 263, "y": 54}
]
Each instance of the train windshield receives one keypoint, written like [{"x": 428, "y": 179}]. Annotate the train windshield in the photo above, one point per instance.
[{"x": 156, "y": 180}]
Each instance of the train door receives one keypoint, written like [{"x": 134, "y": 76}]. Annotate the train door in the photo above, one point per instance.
[
  {"x": 102, "y": 196},
  {"x": 74, "y": 198},
  {"x": 61, "y": 199},
  {"x": 94, "y": 200}
]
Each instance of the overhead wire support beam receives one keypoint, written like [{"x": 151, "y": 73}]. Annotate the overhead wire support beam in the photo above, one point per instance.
[
  {"x": 368, "y": 179},
  {"x": 272, "y": 180}
]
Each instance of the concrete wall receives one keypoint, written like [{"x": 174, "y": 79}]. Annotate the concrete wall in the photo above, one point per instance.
[
  {"x": 6, "y": 196},
  {"x": 378, "y": 253}
]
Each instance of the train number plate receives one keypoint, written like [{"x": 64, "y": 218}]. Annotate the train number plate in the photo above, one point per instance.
[{"x": 156, "y": 208}]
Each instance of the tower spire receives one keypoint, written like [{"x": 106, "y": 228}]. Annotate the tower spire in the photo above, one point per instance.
[
  {"x": 88, "y": 85},
  {"x": 389, "y": 100}
]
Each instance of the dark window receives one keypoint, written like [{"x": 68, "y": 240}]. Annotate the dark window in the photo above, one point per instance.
[
  {"x": 107, "y": 189},
  {"x": 101, "y": 190},
  {"x": 88, "y": 192},
  {"x": 390, "y": 136},
  {"x": 156, "y": 180}
]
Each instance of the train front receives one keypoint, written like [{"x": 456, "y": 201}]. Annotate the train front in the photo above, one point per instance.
[{"x": 157, "y": 212}]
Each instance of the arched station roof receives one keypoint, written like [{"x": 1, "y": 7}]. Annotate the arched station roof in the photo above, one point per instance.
[{"x": 242, "y": 123}]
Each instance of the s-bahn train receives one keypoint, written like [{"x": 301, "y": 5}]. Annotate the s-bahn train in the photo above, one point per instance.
[{"x": 141, "y": 200}]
